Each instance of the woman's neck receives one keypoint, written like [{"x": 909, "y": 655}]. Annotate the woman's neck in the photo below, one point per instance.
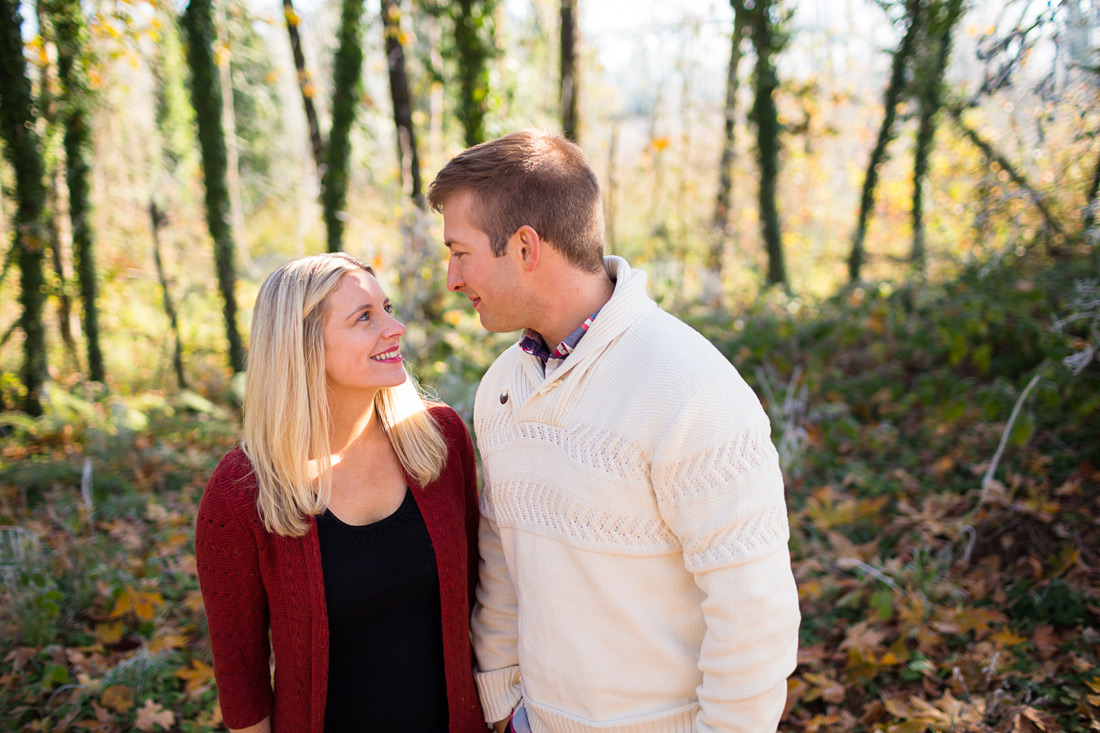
[{"x": 353, "y": 420}]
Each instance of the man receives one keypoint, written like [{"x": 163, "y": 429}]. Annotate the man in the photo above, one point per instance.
[{"x": 634, "y": 566}]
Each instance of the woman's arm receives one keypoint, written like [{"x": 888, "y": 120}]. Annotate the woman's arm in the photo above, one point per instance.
[{"x": 235, "y": 600}]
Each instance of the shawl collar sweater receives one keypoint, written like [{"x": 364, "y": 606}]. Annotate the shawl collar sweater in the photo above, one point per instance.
[
  {"x": 633, "y": 535},
  {"x": 253, "y": 581}
]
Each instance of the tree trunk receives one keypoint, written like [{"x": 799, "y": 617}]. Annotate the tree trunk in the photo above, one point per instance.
[
  {"x": 570, "y": 123},
  {"x": 22, "y": 150},
  {"x": 55, "y": 201},
  {"x": 725, "y": 173},
  {"x": 305, "y": 85},
  {"x": 408, "y": 157},
  {"x": 229, "y": 125},
  {"x": 71, "y": 30},
  {"x": 347, "y": 71},
  {"x": 890, "y": 103},
  {"x": 473, "y": 33},
  {"x": 157, "y": 218},
  {"x": 766, "y": 116},
  {"x": 930, "y": 98},
  {"x": 206, "y": 98}
]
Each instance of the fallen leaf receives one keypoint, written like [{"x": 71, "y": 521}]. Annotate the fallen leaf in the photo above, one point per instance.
[
  {"x": 152, "y": 715},
  {"x": 118, "y": 697}
]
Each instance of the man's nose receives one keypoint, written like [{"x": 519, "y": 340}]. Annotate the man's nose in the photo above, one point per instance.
[{"x": 454, "y": 276}]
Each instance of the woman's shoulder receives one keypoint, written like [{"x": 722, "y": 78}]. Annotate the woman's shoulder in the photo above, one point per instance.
[
  {"x": 449, "y": 421},
  {"x": 233, "y": 479}
]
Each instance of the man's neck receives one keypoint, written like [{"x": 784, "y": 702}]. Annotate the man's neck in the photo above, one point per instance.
[{"x": 570, "y": 301}]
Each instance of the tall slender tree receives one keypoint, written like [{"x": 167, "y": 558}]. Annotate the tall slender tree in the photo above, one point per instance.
[
  {"x": 943, "y": 15},
  {"x": 305, "y": 84},
  {"x": 22, "y": 150},
  {"x": 347, "y": 72},
  {"x": 408, "y": 156},
  {"x": 198, "y": 22},
  {"x": 570, "y": 92},
  {"x": 767, "y": 40},
  {"x": 72, "y": 32},
  {"x": 473, "y": 30},
  {"x": 56, "y": 205},
  {"x": 893, "y": 96},
  {"x": 722, "y": 201}
]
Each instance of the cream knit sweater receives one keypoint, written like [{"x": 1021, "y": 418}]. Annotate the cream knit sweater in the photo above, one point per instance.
[{"x": 633, "y": 539}]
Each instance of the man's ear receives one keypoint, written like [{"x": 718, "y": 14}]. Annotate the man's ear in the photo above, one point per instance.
[{"x": 528, "y": 247}]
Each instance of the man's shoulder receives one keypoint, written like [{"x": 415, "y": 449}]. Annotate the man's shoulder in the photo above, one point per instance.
[{"x": 672, "y": 352}]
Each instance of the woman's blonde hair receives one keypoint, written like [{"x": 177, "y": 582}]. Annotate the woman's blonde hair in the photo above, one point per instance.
[{"x": 286, "y": 416}]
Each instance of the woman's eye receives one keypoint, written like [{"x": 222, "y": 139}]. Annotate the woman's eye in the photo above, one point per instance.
[
  {"x": 365, "y": 317},
  {"x": 389, "y": 308}
]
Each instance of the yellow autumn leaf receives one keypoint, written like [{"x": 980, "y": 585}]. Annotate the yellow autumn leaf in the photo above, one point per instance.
[
  {"x": 165, "y": 641},
  {"x": 660, "y": 143},
  {"x": 117, "y": 697},
  {"x": 1006, "y": 637},
  {"x": 110, "y": 633},
  {"x": 197, "y": 676},
  {"x": 452, "y": 317},
  {"x": 291, "y": 17}
]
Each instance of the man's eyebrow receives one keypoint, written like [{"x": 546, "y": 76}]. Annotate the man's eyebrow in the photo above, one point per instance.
[{"x": 448, "y": 242}]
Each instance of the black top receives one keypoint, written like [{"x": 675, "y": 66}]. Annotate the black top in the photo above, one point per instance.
[{"x": 385, "y": 666}]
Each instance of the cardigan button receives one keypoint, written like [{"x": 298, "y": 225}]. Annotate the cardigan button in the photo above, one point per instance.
[{"x": 503, "y": 397}]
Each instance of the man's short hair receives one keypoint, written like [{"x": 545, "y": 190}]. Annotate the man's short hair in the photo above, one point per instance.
[{"x": 530, "y": 177}]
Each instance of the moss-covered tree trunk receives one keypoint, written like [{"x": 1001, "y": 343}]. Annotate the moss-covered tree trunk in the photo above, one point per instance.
[
  {"x": 929, "y": 85},
  {"x": 347, "y": 71},
  {"x": 23, "y": 152},
  {"x": 55, "y": 202},
  {"x": 723, "y": 200},
  {"x": 766, "y": 42},
  {"x": 72, "y": 38},
  {"x": 570, "y": 89},
  {"x": 473, "y": 22},
  {"x": 893, "y": 96},
  {"x": 206, "y": 98},
  {"x": 408, "y": 155}
]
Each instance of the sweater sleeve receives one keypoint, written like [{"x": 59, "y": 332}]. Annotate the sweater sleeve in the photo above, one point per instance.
[
  {"x": 236, "y": 604},
  {"x": 720, "y": 489},
  {"x": 469, "y": 477},
  {"x": 494, "y": 624}
]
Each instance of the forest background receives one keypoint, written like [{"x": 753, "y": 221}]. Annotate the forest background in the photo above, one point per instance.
[{"x": 882, "y": 211}]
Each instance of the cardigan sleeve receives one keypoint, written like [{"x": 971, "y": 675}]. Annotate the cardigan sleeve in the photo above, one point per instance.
[
  {"x": 494, "y": 624},
  {"x": 719, "y": 488},
  {"x": 235, "y": 602}
]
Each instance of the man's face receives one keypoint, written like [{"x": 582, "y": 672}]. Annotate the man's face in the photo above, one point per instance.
[{"x": 493, "y": 284}]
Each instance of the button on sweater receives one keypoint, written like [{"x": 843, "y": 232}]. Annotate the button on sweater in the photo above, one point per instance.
[{"x": 634, "y": 535}]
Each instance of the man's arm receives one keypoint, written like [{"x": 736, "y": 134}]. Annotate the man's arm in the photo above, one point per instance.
[
  {"x": 494, "y": 626},
  {"x": 720, "y": 490}
]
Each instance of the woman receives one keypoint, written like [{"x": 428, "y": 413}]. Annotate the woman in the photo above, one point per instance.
[{"x": 345, "y": 524}]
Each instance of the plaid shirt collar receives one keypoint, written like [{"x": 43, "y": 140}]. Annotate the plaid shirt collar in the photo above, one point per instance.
[{"x": 533, "y": 344}]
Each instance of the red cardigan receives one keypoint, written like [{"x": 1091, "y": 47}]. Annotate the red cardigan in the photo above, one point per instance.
[{"x": 253, "y": 581}]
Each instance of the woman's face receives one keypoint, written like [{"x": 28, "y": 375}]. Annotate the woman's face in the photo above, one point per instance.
[{"x": 362, "y": 338}]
